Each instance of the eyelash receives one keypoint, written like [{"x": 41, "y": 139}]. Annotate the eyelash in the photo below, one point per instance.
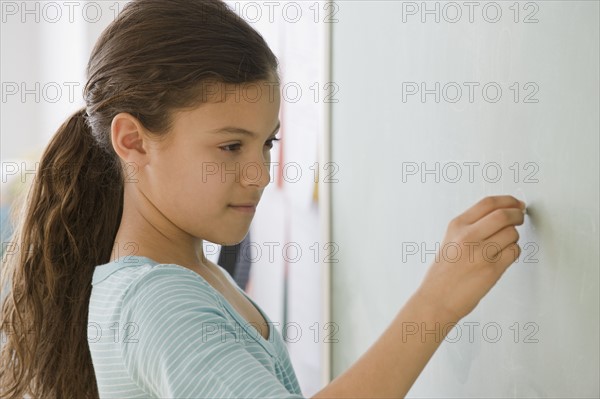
[{"x": 233, "y": 145}]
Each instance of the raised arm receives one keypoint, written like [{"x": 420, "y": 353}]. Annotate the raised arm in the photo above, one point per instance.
[{"x": 451, "y": 289}]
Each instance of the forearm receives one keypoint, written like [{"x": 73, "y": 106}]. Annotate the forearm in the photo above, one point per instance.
[{"x": 392, "y": 364}]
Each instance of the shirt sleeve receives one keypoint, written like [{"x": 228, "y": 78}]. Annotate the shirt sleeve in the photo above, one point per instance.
[{"x": 179, "y": 343}]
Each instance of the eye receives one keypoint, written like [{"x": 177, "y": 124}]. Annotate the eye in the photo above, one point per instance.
[
  {"x": 227, "y": 148},
  {"x": 236, "y": 147},
  {"x": 270, "y": 142}
]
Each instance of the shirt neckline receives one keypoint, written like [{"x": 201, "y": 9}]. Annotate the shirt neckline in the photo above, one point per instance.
[{"x": 103, "y": 271}]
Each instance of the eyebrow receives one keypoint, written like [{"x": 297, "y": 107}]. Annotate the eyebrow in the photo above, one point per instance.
[{"x": 238, "y": 130}]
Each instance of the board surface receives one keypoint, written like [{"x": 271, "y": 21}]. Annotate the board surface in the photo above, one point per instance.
[{"x": 433, "y": 116}]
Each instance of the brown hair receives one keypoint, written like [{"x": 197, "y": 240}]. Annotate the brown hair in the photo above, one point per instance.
[{"x": 150, "y": 62}]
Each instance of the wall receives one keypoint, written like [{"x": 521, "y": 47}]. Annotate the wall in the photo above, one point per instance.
[{"x": 409, "y": 163}]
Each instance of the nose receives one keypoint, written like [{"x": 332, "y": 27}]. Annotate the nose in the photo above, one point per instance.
[{"x": 257, "y": 173}]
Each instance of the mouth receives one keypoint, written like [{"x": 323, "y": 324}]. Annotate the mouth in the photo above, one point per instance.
[{"x": 249, "y": 208}]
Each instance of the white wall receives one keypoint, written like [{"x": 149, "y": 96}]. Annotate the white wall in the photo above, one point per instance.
[{"x": 546, "y": 306}]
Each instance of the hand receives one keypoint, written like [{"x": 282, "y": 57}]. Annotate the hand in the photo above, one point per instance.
[{"x": 479, "y": 245}]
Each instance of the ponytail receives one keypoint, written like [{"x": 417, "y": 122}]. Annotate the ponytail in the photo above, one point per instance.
[{"x": 67, "y": 226}]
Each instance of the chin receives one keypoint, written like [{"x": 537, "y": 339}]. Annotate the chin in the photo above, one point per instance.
[{"x": 233, "y": 240}]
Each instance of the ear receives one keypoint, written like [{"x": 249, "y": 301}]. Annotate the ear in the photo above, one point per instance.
[{"x": 129, "y": 139}]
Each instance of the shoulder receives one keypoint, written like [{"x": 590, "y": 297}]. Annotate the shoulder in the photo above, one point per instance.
[
  {"x": 169, "y": 303},
  {"x": 142, "y": 290},
  {"x": 169, "y": 283}
]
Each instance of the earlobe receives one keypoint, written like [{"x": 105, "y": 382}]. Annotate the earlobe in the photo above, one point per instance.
[{"x": 127, "y": 138}]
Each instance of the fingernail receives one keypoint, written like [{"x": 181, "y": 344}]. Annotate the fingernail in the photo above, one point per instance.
[{"x": 524, "y": 207}]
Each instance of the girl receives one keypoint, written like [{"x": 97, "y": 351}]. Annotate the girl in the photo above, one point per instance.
[{"x": 114, "y": 297}]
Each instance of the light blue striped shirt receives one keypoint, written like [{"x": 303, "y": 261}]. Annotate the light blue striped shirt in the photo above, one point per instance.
[{"x": 162, "y": 331}]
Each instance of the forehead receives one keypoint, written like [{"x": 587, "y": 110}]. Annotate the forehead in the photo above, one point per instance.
[
  {"x": 252, "y": 106},
  {"x": 264, "y": 91}
]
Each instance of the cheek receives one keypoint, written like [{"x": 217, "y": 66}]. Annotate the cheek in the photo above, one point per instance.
[
  {"x": 196, "y": 186},
  {"x": 177, "y": 180},
  {"x": 190, "y": 203}
]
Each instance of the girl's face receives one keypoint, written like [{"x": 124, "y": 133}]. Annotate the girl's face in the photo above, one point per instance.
[{"x": 207, "y": 165}]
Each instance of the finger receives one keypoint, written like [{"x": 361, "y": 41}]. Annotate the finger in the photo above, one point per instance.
[
  {"x": 494, "y": 222},
  {"x": 495, "y": 244},
  {"x": 486, "y": 206},
  {"x": 506, "y": 258}
]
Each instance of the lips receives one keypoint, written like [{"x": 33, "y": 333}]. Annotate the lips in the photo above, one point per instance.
[{"x": 249, "y": 208}]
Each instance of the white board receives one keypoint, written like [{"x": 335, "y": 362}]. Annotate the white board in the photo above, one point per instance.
[{"x": 536, "y": 333}]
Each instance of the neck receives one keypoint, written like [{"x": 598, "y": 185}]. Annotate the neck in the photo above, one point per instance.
[{"x": 144, "y": 231}]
